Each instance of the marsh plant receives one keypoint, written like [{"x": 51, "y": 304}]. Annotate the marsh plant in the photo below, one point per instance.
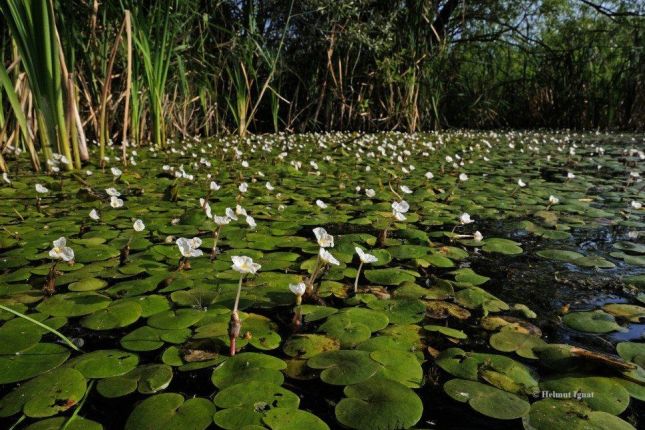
[{"x": 244, "y": 266}]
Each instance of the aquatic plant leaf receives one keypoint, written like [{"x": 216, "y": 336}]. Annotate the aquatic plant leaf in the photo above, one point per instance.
[
  {"x": 379, "y": 403},
  {"x": 550, "y": 414},
  {"x": 599, "y": 393},
  {"x": 487, "y": 400},
  {"x": 172, "y": 412},
  {"x": 38, "y": 359},
  {"x": 344, "y": 367},
  {"x": 104, "y": 363},
  {"x": 46, "y": 395},
  {"x": 246, "y": 367},
  {"x": 146, "y": 379},
  {"x": 592, "y": 322}
]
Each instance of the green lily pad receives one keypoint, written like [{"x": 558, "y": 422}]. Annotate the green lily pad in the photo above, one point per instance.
[
  {"x": 502, "y": 246},
  {"x": 38, "y": 359},
  {"x": 246, "y": 367},
  {"x": 400, "y": 366},
  {"x": 146, "y": 379},
  {"x": 513, "y": 341},
  {"x": 400, "y": 311},
  {"x": 592, "y": 322},
  {"x": 171, "y": 411},
  {"x": 46, "y": 395},
  {"x": 293, "y": 419},
  {"x": 104, "y": 363},
  {"x": 309, "y": 345},
  {"x": 64, "y": 423},
  {"x": 117, "y": 315},
  {"x": 73, "y": 304},
  {"x": 254, "y": 393},
  {"x": 550, "y": 414},
  {"x": 599, "y": 393},
  {"x": 173, "y": 320},
  {"x": 447, "y": 331},
  {"x": 344, "y": 367},
  {"x": 487, "y": 400},
  {"x": 391, "y": 276},
  {"x": 632, "y": 351},
  {"x": 379, "y": 404}
]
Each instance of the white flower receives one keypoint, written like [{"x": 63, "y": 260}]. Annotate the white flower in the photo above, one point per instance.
[
  {"x": 243, "y": 264},
  {"x": 116, "y": 172},
  {"x": 239, "y": 210},
  {"x": 464, "y": 218},
  {"x": 463, "y": 177},
  {"x": 326, "y": 257},
  {"x": 189, "y": 247},
  {"x": 94, "y": 215},
  {"x": 116, "y": 202},
  {"x": 636, "y": 205},
  {"x": 429, "y": 175},
  {"x": 251, "y": 221},
  {"x": 570, "y": 175},
  {"x": 405, "y": 189},
  {"x": 365, "y": 257},
  {"x": 41, "y": 189},
  {"x": 221, "y": 220},
  {"x": 60, "y": 251},
  {"x": 138, "y": 225},
  {"x": 89, "y": 173},
  {"x": 370, "y": 192},
  {"x": 298, "y": 289},
  {"x": 325, "y": 240},
  {"x": 214, "y": 186},
  {"x": 243, "y": 187},
  {"x": 321, "y": 204},
  {"x": 231, "y": 214},
  {"x": 399, "y": 209},
  {"x": 112, "y": 192},
  {"x": 245, "y": 164},
  {"x": 5, "y": 177},
  {"x": 401, "y": 206},
  {"x": 478, "y": 236},
  {"x": 553, "y": 200},
  {"x": 269, "y": 186},
  {"x": 521, "y": 183}
]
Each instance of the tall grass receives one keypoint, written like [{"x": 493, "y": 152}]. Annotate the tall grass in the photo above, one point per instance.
[
  {"x": 33, "y": 28},
  {"x": 154, "y": 39}
]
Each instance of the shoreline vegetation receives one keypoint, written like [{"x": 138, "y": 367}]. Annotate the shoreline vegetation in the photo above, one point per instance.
[{"x": 76, "y": 74}]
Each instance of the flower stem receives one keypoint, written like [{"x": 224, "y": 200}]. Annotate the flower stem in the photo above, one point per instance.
[
  {"x": 358, "y": 274},
  {"x": 45, "y": 326}
]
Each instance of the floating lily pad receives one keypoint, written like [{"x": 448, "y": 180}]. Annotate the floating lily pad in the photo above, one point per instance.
[
  {"x": 550, "y": 414},
  {"x": 391, "y": 276},
  {"x": 74, "y": 304},
  {"x": 65, "y": 423},
  {"x": 400, "y": 366},
  {"x": 344, "y": 367},
  {"x": 46, "y": 395},
  {"x": 293, "y": 419},
  {"x": 104, "y": 363},
  {"x": 487, "y": 400},
  {"x": 147, "y": 379},
  {"x": 117, "y": 315},
  {"x": 520, "y": 343},
  {"x": 633, "y": 313},
  {"x": 592, "y": 322},
  {"x": 253, "y": 393},
  {"x": 38, "y": 359},
  {"x": 447, "y": 331},
  {"x": 246, "y": 367},
  {"x": 309, "y": 345},
  {"x": 599, "y": 393},
  {"x": 171, "y": 411},
  {"x": 379, "y": 403}
]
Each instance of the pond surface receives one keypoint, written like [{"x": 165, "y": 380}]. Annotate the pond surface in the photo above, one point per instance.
[{"x": 505, "y": 288}]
